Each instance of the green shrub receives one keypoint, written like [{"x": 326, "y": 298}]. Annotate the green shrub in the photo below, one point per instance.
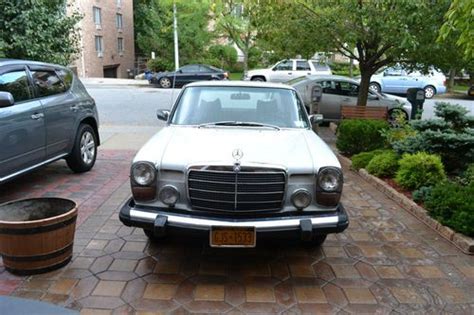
[
  {"x": 359, "y": 135},
  {"x": 453, "y": 205},
  {"x": 419, "y": 169},
  {"x": 360, "y": 160},
  {"x": 222, "y": 56},
  {"x": 383, "y": 165},
  {"x": 421, "y": 193},
  {"x": 468, "y": 174},
  {"x": 450, "y": 137},
  {"x": 159, "y": 65}
]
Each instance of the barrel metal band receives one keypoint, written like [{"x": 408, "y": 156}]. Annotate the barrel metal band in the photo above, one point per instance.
[
  {"x": 38, "y": 229},
  {"x": 51, "y": 255}
]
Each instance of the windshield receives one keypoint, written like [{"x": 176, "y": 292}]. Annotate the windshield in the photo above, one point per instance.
[{"x": 266, "y": 106}]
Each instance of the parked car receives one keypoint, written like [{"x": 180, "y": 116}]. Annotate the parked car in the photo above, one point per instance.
[
  {"x": 339, "y": 90},
  {"x": 187, "y": 74},
  {"x": 470, "y": 92},
  {"x": 398, "y": 80},
  {"x": 46, "y": 114},
  {"x": 288, "y": 69},
  {"x": 236, "y": 161}
]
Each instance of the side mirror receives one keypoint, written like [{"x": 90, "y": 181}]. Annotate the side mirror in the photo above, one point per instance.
[
  {"x": 163, "y": 114},
  {"x": 316, "y": 93},
  {"x": 6, "y": 99},
  {"x": 316, "y": 119}
]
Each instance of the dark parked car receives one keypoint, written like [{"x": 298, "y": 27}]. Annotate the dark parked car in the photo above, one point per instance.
[
  {"x": 45, "y": 114},
  {"x": 470, "y": 92},
  {"x": 188, "y": 74}
]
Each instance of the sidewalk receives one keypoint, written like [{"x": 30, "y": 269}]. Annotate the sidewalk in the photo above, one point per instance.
[
  {"x": 113, "y": 81},
  {"x": 385, "y": 261}
]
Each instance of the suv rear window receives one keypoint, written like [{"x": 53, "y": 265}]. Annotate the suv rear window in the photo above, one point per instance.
[
  {"x": 66, "y": 76},
  {"x": 48, "y": 83},
  {"x": 320, "y": 66}
]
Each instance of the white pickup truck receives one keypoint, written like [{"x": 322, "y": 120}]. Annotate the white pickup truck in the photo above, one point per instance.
[{"x": 288, "y": 69}]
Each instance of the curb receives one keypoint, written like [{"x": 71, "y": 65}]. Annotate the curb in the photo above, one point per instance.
[{"x": 464, "y": 243}]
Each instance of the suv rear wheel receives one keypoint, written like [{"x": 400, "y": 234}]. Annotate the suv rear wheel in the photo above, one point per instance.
[
  {"x": 258, "y": 79},
  {"x": 84, "y": 152}
]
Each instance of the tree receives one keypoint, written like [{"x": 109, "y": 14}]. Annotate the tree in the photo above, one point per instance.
[
  {"x": 39, "y": 30},
  {"x": 460, "y": 24},
  {"x": 154, "y": 29},
  {"x": 375, "y": 33},
  {"x": 238, "y": 20}
]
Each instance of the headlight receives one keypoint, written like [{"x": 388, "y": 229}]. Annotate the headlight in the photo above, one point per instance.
[
  {"x": 143, "y": 173},
  {"x": 301, "y": 198},
  {"x": 330, "y": 179},
  {"x": 169, "y": 195}
]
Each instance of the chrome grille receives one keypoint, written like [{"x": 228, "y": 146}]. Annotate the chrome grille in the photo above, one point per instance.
[{"x": 222, "y": 189}]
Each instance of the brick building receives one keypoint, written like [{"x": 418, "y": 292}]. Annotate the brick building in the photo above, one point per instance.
[{"x": 107, "y": 40}]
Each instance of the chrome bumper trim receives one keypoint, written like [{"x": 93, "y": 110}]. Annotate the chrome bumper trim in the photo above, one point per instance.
[{"x": 273, "y": 224}]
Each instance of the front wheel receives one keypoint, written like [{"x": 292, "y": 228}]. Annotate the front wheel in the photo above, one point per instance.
[
  {"x": 84, "y": 152},
  {"x": 375, "y": 87},
  {"x": 165, "y": 83},
  {"x": 258, "y": 79},
  {"x": 430, "y": 91}
]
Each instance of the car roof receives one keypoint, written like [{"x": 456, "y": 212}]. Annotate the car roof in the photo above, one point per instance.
[
  {"x": 226, "y": 83},
  {"x": 7, "y": 62},
  {"x": 330, "y": 77}
]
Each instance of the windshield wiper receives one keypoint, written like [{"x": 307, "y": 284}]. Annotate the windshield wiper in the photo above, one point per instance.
[{"x": 239, "y": 123}]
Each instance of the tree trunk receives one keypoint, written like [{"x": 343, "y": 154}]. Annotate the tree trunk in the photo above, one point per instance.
[
  {"x": 450, "y": 86},
  {"x": 246, "y": 60},
  {"x": 364, "y": 86},
  {"x": 351, "y": 67}
]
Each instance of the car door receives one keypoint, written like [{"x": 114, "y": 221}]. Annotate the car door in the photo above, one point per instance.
[
  {"x": 60, "y": 109},
  {"x": 302, "y": 68},
  {"x": 22, "y": 127},
  {"x": 330, "y": 104},
  {"x": 394, "y": 80},
  {"x": 205, "y": 73},
  {"x": 187, "y": 74},
  {"x": 282, "y": 71}
]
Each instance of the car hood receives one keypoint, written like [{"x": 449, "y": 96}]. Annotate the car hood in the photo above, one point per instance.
[
  {"x": 391, "y": 97},
  {"x": 177, "y": 147}
]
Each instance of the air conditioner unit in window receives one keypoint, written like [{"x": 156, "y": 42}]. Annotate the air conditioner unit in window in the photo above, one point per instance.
[
  {"x": 100, "y": 54},
  {"x": 98, "y": 27}
]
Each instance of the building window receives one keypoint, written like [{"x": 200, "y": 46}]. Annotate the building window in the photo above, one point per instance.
[
  {"x": 119, "y": 21},
  {"x": 99, "y": 45},
  {"x": 120, "y": 45},
  {"x": 97, "y": 16}
]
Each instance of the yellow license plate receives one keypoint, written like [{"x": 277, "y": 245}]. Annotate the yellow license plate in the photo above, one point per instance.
[{"x": 222, "y": 236}]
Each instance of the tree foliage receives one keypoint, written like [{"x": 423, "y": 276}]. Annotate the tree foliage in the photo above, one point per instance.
[
  {"x": 460, "y": 25},
  {"x": 238, "y": 20},
  {"x": 154, "y": 29},
  {"x": 38, "y": 30}
]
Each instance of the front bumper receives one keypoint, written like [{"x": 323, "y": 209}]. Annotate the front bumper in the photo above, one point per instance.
[{"x": 161, "y": 220}]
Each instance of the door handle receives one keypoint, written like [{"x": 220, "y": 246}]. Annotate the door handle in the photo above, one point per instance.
[
  {"x": 308, "y": 73},
  {"x": 37, "y": 116},
  {"x": 346, "y": 99},
  {"x": 290, "y": 73}
]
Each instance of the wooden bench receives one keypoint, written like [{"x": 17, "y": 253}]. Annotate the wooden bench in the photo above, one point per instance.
[{"x": 364, "y": 112}]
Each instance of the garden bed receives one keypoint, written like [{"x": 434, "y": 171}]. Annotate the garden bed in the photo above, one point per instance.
[{"x": 463, "y": 242}]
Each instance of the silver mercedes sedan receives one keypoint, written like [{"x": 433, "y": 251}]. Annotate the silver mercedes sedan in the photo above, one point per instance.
[{"x": 237, "y": 161}]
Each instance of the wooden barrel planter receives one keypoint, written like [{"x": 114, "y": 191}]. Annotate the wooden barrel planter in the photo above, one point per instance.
[{"x": 37, "y": 235}]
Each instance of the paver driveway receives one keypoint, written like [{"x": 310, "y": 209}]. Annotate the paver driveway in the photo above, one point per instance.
[{"x": 386, "y": 261}]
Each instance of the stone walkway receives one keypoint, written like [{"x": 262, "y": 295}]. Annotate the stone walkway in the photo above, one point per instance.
[{"x": 385, "y": 262}]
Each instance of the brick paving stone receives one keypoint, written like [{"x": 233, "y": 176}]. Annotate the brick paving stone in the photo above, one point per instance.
[
  {"x": 134, "y": 246},
  {"x": 209, "y": 292},
  {"x": 62, "y": 286},
  {"x": 429, "y": 272},
  {"x": 109, "y": 288},
  {"x": 123, "y": 265},
  {"x": 160, "y": 291},
  {"x": 360, "y": 296},
  {"x": 407, "y": 296},
  {"x": 310, "y": 295},
  {"x": 345, "y": 271},
  {"x": 388, "y": 272},
  {"x": 258, "y": 293}
]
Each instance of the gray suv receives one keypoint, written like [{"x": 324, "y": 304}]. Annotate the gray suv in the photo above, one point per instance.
[{"x": 45, "y": 114}]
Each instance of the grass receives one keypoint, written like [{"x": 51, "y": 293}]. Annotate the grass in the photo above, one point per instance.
[
  {"x": 460, "y": 88},
  {"x": 235, "y": 75}
]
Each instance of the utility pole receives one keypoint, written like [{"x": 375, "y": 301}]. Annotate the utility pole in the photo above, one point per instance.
[{"x": 175, "y": 26}]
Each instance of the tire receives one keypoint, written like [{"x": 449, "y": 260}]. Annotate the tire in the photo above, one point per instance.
[
  {"x": 165, "y": 82},
  {"x": 258, "y": 79},
  {"x": 375, "y": 87},
  {"x": 430, "y": 91},
  {"x": 84, "y": 153},
  {"x": 393, "y": 114},
  {"x": 151, "y": 236}
]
